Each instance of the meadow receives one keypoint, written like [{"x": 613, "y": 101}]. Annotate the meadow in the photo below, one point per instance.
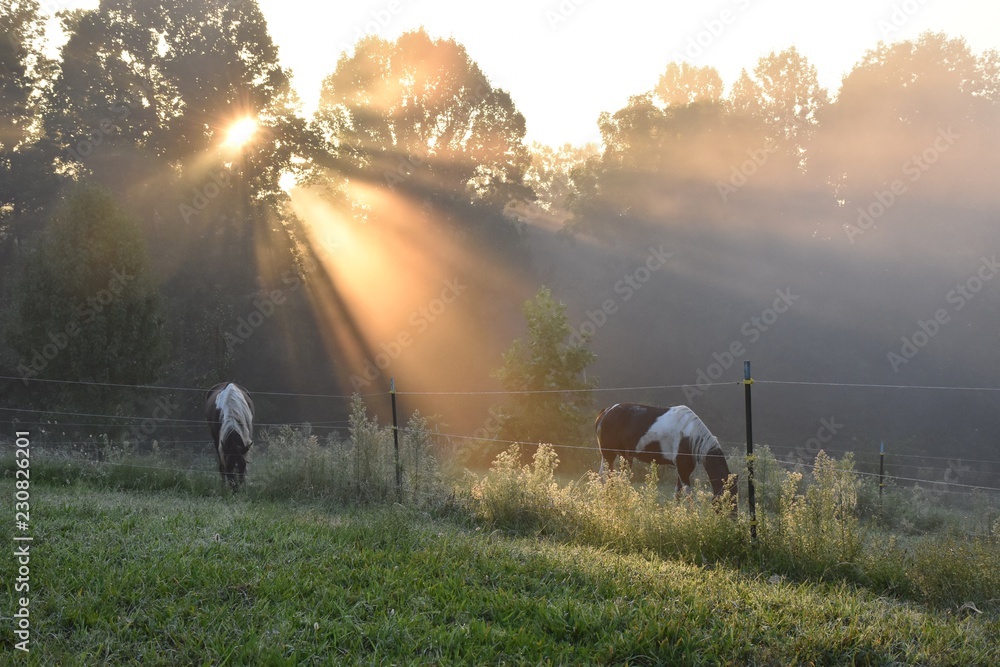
[{"x": 317, "y": 561}]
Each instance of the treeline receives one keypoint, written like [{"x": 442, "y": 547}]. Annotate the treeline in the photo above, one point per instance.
[{"x": 420, "y": 221}]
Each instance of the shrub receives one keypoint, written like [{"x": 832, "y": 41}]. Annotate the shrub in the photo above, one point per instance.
[
  {"x": 611, "y": 512},
  {"x": 519, "y": 497},
  {"x": 295, "y": 463},
  {"x": 817, "y": 530}
]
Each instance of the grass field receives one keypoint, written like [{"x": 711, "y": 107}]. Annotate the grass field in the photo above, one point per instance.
[{"x": 167, "y": 577}]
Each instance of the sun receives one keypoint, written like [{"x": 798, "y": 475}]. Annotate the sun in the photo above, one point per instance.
[{"x": 240, "y": 133}]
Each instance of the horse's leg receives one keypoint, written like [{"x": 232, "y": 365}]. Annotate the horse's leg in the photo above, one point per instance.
[
  {"x": 222, "y": 465},
  {"x": 241, "y": 470},
  {"x": 685, "y": 466},
  {"x": 231, "y": 476}
]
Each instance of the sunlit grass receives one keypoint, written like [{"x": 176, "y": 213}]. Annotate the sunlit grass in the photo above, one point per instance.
[
  {"x": 810, "y": 532},
  {"x": 316, "y": 560},
  {"x": 165, "y": 578}
]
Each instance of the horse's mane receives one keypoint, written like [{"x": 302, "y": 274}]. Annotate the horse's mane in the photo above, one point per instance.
[
  {"x": 702, "y": 440},
  {"x": 236, "y": 414}
]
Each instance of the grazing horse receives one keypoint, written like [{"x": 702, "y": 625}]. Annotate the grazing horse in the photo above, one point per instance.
[
  {"x": 229, "y": 410},
  {"x": 669, "y": 436}
]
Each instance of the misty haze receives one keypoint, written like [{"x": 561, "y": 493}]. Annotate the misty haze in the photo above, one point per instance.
[{"x": 171, "y": 217}]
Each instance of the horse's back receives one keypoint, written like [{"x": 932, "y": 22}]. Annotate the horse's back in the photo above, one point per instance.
[
  {"x": 632, "y": 428},
  {"x": 623, "y": 425}
]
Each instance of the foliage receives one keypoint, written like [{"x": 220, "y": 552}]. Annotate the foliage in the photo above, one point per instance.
[
  {"x": 87, "y": 309},
  {"x": 784, "y": 95},
  {"x": 418, "y": 115},
  {"x": 146, "y": 81},
  {"x": 167, "y": 578},
  {"x": 683, "y": 84},
  {"x": 295, "y": 463},
  {"x": 519, "y": 496},
  {"x": 552, "y": 368},
  {"x": 26, "y": 181},
  {"x": 820, "y": 527},
  {"x": 551, "y": 174},
  {"x": 814, "y": 534}
]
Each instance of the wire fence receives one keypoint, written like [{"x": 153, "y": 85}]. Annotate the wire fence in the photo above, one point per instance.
[{"x": 52, "y": 421}]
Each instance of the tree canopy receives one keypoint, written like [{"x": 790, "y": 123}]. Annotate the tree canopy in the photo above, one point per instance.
[
  {"x": 417, "y": 117},
  {"x": 87, "y": 308}
]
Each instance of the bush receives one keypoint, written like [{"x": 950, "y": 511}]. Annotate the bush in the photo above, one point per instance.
[
  {"x": 520, "y": 497},
  {"x": 820, "y": 529},
  {"x": 610, "y": 513},
  {"x": 295, "y": 463}
]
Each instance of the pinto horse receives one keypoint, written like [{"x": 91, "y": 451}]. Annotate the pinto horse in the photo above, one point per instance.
[
  {"x": 229, "y": 410},
  {"x": 673, "y": 436}
]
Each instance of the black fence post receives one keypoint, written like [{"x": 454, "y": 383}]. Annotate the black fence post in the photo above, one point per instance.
[
  {"x": 751, "y": 496},
  {"x": 881, "y": 471},
  {"x": 395, "y": 441}
]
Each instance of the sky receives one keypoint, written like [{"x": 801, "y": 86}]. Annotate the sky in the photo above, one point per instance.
[{"x": 566, "y": 61}]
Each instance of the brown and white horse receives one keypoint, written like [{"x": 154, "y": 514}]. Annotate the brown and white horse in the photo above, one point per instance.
[
  {"x": 673, "y": 436},
  {"x": 229, "y": 410}
]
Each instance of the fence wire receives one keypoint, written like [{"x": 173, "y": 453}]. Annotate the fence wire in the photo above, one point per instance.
[{"x": 340, "y": 425}]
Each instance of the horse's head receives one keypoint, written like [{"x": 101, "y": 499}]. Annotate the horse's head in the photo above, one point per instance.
[
  {"x": 234, "y": 458},
  {"x": 723, "y": 482}
]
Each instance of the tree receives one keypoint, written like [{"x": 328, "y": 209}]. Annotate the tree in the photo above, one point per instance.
[
  {"x": 897, "y": 102},
  {"x": 146, "y": 95},
  {"x": 558, "y": 407},
  {"x": 551, "y": 173},
  {"x": 784, "y": 96},
  {"x": 23, "y": 68},
  {"x": 87, "y": 310},
  {"x": 683, "y": 84},
  {"x": 418, "y": 118},
  {"x": 26, "y": 180},
  {"x": 165, "y": 82}
]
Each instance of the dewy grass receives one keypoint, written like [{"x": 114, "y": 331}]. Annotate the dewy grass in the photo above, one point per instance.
[
  {"x": 813, "y": 532},
  {"x": 155, "y": 559},
  {"x": 164, "y": 578}
]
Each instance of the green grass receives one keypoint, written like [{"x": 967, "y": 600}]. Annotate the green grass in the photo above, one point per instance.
[
  {"x": 143, "y": 558},
  {"x": 169, "y": 577}
]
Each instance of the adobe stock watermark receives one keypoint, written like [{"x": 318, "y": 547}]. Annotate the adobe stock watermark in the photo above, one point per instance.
[
  {"x": 203, "y": 194},
  {"x": 900, "y": 14},
  {"x": 82, "y": 316},
  {"x": 710, "y": 31},
  {"x": 488, "y": 431},
  {"x": 163, "y": 410},
  {"x": 626, "y": 288},
  {"x": 751, "y": 332},
  {"x": 957, "y": 298},
  {"x": 419, "y": 321},
  {"x": 741, "y": 174},
  {"x": 913, "y": 169},
  {"x": 406, "y": 166},
  {"x": 806, "y": 453},
  {"x": 118, "y": 113},
  {"x": 378, "y": 20},
  {"x": 265, "y": 306},
  {"x": 559, "y": 13},
  {"x": 22, "y": 541}
]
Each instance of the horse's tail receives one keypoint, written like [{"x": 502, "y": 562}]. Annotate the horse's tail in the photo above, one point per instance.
[
  {"x": 597, "y": 430},
  {"x": 600, "y": 418}
]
